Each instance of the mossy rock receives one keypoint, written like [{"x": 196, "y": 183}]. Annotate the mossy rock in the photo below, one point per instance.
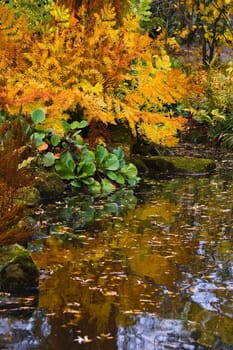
[
  {"x": 18, "y": 272},
  {"x": 30, "y": 196},
  {"x": 50, "y": 186},
  {"x": 178, "y": 165},
  {"x": 140, "y": 165}
]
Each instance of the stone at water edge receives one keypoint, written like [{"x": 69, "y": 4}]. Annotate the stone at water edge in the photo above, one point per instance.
[
  {"x": 177, "y": 165},
  {"x": 18, "y": 272},
  {"x": 50, "y": 186}
]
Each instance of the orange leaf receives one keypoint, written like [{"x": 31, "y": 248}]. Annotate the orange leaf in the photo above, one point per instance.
[{"x": 43, "y": 147}]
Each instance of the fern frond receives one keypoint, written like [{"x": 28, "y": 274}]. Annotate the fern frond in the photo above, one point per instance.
[{"x": 112, "y": 71}]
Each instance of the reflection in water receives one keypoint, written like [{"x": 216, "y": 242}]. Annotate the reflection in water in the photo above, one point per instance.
[
  {"x": 24, "y": 334},
  {"x": 150, "y": 333},
  {"x": 151, "y": 271}
]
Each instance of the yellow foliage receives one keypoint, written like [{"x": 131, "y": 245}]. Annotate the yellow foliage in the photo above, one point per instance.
[
  {"x": 13, "y": 41},
  {"x": 212, "y": 22},
  {"x": 159, "y": 134},
  {"x": 112, "y": 71},
  {"x": 59, "y": 13}
]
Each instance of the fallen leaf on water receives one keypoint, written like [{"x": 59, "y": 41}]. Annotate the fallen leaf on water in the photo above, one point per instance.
[
  {"x": 105, "y": 336},
  {"x": 110, "y": 293},
  {"x": 84, "y": 339}
]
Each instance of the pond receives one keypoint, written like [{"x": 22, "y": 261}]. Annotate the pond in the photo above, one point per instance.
[{"x": 150, "y": 269}]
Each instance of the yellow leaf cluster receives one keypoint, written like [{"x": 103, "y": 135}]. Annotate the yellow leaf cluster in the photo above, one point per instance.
[
  {"x": 13, "y": 41},
  {"x": 161, "y": 134}
]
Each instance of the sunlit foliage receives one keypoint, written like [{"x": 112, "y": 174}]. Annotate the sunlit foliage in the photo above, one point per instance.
[
  {"x": 210, "y": 22},
  {"x": 113, "y": 72}
]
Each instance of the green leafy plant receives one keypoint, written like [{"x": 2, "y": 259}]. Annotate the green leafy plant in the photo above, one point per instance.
[
  {"x": 99, "y": 170},
  {"x": 213, "y": 109}
]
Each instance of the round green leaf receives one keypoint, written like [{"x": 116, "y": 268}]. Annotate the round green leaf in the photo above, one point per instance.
[
  {"x": 38, "y": 116},
  {"x": 37, "y": 138},
  {"x": 86, "y": 169},
  {"x": 83, "y": 124},
  {"x": 48, "y": 159},
  {"x": 66, "y": 126},
  {"x": 88, "y": 181},
  {"x": 107, "y": 186},
  {"x": 95, "y": 188},
  {"x": 133, "y": 181},
  {"x": 64, "y": 172},
  {"x": 100, "y": 153},
  {"x": 78, "y": 125},
  {"x": 76, "y": 183},
  {"x": 119, "y": 152},
  {"x": 55, "y": 140},
  {"x": 129, "y": 170},
  {"x": 119, "y": 178},
  {"x": 68, "y": 161},
  {"x": 111, "y": 162}
]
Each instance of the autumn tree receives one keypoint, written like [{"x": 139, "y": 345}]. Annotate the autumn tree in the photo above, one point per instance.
[
  {"x": 112, "y": 72},
  {"x": 206, "y": 23},
  {"x": 211, "y": 22}
]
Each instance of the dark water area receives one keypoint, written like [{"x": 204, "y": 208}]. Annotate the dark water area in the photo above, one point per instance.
[{"x": 150, "y": 269}]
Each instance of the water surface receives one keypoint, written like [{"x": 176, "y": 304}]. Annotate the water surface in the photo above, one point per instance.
[{"x": 149, "y": 269}]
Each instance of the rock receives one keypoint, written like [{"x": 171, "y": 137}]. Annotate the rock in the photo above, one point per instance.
[
  {"x": 18, "y": 272},
  {"x": 140, "y": 165},
  {"x": 177, "y": 165},
  {"x": 122, "y": 136},
  {"x": 50, "y": 186},
  {"x": 30, "y": 196}
]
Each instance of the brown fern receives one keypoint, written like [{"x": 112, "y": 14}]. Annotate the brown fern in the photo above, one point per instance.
[{"x": 12, "y": 179}]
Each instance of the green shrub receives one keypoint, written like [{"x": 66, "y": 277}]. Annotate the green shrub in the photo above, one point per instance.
[{"x": 214, "y": 108}]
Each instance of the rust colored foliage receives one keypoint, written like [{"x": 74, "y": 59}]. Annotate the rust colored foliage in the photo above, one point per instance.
[
  {"x": 13, "y": 42},
  {"x": 13, "y": 151}
]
